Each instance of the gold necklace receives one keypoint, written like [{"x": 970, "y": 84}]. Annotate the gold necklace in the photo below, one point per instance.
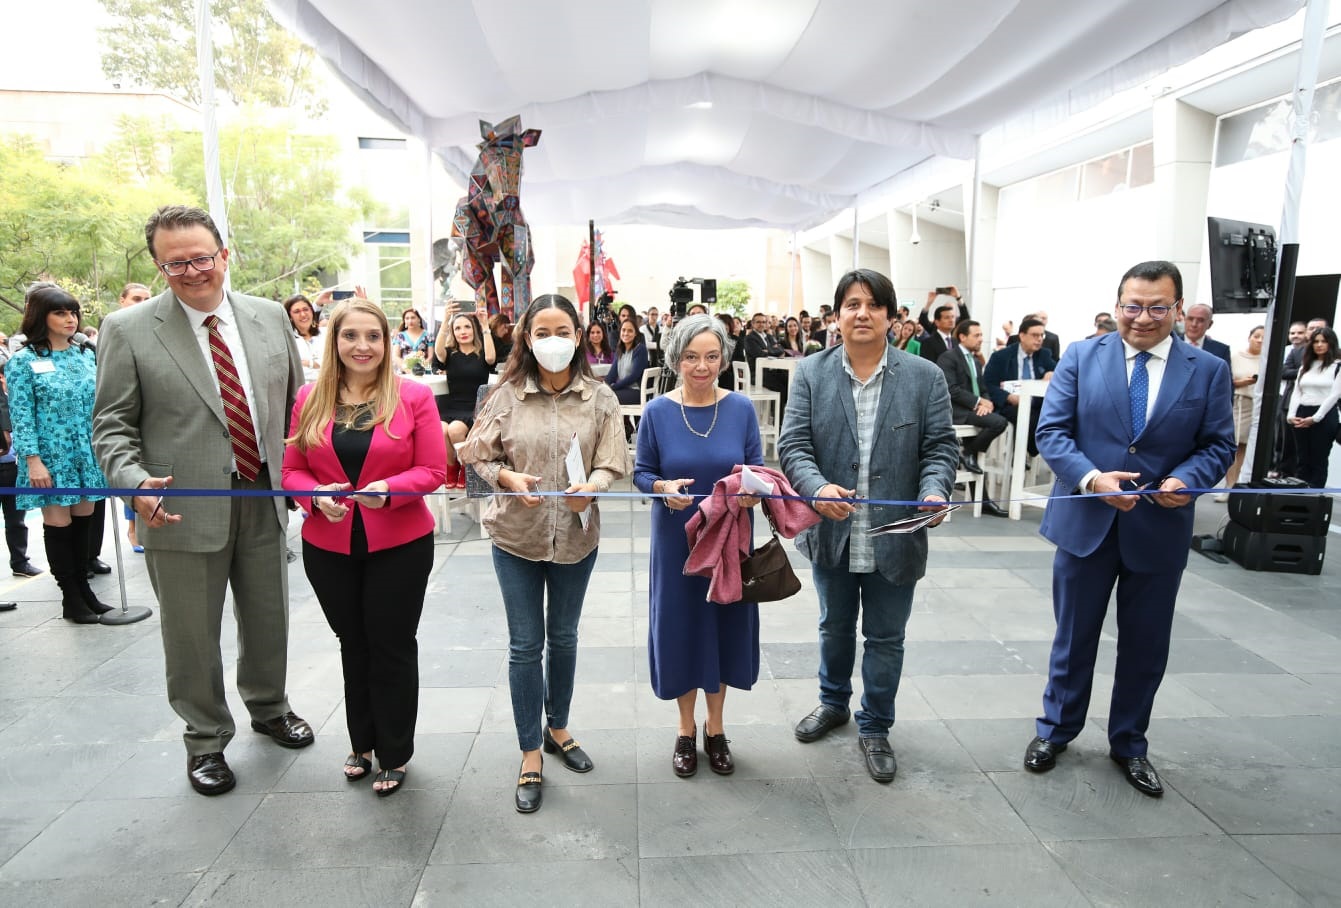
[{"x": 685, "y": 416}]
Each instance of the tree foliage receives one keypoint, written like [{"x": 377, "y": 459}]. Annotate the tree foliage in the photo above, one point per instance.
[
  {"x": 152, "y": 43},
  {"x": 733, "y": 295}
]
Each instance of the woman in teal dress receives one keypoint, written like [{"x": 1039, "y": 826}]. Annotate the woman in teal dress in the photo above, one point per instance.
[{"x": 51, "y": 383}]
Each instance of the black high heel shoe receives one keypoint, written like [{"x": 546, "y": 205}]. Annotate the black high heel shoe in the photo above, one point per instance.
[
  {"x": 529, "y": 791},
  {"x": 571, "y": 754}
]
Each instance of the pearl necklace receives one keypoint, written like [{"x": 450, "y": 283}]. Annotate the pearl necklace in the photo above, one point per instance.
[{"x": 711, "y": 426}]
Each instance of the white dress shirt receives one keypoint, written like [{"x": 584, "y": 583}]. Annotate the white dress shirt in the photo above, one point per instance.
[{"x": 228, "y": 331}]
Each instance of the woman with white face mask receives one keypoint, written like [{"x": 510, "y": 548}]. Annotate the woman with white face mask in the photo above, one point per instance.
[{"x": 546, "y": 400}]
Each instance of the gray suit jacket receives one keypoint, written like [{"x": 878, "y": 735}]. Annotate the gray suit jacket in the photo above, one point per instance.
[
  {"x": 913, "y": 454},
  {"x": 157, "y": 412}
]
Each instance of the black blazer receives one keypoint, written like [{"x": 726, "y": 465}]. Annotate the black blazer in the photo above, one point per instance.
[
  {"x": 1005, "y": 366},
  {"x": 933, "y": 345},
  {"x": 960, "y": 383},
  {"x": 757, "y": 345}
]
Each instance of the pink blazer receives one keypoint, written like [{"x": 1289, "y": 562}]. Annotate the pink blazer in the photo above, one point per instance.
[{"x": 415, "y": 461}]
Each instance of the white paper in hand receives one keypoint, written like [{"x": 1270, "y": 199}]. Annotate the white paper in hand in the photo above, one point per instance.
[
  {"x": 577, "y": 474},
  {"x": 751, "y": 483}
]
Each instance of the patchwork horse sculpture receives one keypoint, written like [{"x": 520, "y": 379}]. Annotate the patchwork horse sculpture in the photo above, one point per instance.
[{"x": 489, "y": 219}]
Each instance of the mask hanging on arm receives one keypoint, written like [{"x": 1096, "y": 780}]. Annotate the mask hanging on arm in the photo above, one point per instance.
[{"x": 554, "y": 353}]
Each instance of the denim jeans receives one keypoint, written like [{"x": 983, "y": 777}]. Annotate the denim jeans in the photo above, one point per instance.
[
  {"x": 530, "y": 627},
  {"x": 884, "y": 609}
]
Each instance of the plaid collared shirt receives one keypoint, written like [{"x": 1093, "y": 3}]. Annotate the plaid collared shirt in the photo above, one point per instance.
[{"x": 865, "y": 399}]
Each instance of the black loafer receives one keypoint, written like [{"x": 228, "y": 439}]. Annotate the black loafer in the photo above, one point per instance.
[
  {"x": 27, "y": 569},
  {"x": 879, "y": 756},
  {"x": 1140, "y": 775},
  {"x": 98, "y": 566},
  {"x": 287, "y": 730},
  {"x": 570, "y": 752},
  {"x": 1041, "y": 755},
  {"x": 530, "y": 792},
  {"x": 822, "y": 720},
  {"x": 209, "y": 774}
]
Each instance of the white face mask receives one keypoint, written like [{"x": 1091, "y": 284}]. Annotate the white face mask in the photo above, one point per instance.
[{"x": 554, "y": 353}]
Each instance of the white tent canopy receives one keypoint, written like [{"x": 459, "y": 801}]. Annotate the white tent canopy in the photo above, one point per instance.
[{"x": 739, "y": 113}]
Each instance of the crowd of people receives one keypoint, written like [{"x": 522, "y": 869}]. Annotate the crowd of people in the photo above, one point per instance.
[{"x": 316, "y": 401}]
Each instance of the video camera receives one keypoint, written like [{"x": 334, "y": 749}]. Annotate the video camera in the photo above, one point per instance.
[{"x": 682, "y": 295}]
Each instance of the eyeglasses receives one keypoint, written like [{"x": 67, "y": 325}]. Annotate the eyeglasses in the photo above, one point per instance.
[
  {"x": 1158, "y": 313},
  {"x": 200, "y": 263}
]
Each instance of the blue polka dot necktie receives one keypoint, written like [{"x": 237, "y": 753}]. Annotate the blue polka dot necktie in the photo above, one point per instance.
[{"x": 1139, "y": 390}]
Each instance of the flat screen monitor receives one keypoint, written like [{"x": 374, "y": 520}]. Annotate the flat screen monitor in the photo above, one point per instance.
[{"x": 1243, "y": 265}]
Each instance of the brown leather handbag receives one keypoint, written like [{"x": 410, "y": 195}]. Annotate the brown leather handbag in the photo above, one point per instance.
[{"x": 766, "y": 575}]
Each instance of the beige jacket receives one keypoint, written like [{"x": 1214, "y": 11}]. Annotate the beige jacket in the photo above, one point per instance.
[{"x": 528, "y": 430}]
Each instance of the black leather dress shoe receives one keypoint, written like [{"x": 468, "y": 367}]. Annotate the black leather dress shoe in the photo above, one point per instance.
[
  {"x": 27, "y": 569},
  {"x": 570, "y": 752},
  {"x": 971, "y": 463},
  {"x": 530, "y": 792},
  {"x": 209, "y": 774},
  {"x": 98, "y": 566},
  {"x": 719, "y": 754},
  {"x": 1041, "y": 755},
  {"x": 992, "y": 509},
  {"x": 287, "y": 730},
  {"x": 1140, "y": 775},
  {"x": 8, "y": 606},
  {"x": 822, "y": 720},
  {"x": 880, "y": 762},
  {"x": 685, "y": 758}
]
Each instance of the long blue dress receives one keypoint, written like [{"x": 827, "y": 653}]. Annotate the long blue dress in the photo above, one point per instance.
[
  {"x": 693, "y": 643},
  {"x": 52, "y": 413}
]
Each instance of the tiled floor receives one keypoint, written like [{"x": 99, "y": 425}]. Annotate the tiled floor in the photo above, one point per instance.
[{"x": 95, "y": 809}]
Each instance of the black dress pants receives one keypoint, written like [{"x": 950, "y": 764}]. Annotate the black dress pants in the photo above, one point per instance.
[
  {"x": 373, "y": 603},
  {"x": 1313, "y": 446}
]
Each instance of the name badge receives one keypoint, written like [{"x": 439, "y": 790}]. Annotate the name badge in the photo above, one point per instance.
[{"x": 43, "y": 365}]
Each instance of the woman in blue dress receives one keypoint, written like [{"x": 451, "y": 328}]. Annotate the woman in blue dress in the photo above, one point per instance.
[
  {"x": 51, "y": 384},
  {"x": 687, "y": 440}
]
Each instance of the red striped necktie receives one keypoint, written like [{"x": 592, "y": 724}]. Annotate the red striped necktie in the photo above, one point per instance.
[{"x": 246, "y": 454}]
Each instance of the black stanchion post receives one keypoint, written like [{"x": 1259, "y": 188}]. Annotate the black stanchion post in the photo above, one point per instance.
[{"x": 1268, "y": 418}]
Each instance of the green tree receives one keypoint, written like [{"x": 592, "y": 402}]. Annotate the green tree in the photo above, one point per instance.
[
  {"x": 74, "y": 225},
  {"x": 733, "y": 295},
  {"x": 287, "y": 214},
  {"x": 152, "y": 43}
]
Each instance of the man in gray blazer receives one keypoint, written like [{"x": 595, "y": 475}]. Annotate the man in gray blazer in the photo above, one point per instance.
[
  {"x": 195, "y": 388},
  {"x": 865, "y": 421}
]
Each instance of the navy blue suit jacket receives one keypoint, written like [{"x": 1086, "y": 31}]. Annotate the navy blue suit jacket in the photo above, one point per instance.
[
  {"x": 1086, "y": 425},
  {"x": 635, "y": 376},
  {"x": 1004, "y": 365}
]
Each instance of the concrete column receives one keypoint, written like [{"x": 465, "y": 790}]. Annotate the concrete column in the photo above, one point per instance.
[
  {"x": 1184, "y": 139},
  {"x": 817, "y": 280},
  {"x": 840, "y": 255},
  {"x": 421, "y": 229},
  {"x": 981, "y": 295}
]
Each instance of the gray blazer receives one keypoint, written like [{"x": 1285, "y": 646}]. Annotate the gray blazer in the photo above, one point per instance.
[
  {"x": 157, "y": 412},
  {"x": 913, "y": 455}
]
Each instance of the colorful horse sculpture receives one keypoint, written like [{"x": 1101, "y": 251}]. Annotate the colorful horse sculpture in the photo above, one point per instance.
[{"x": 489, "y": 219}]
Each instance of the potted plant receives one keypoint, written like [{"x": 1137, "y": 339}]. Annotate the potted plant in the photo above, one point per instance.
[{"x": 415, "y": 363}]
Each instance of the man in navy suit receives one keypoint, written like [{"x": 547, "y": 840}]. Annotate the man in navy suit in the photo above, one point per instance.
[
  {"x": 1026, "y": 358},
  {"x": 1126, "y": 411},
  {"x": 1197, "y": 320}
]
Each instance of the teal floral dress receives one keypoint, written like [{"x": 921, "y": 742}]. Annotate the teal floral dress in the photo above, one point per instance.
[{"x": 51, "y": 407}]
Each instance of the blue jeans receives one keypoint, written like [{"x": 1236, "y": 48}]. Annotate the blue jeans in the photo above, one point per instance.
[
  {"x": 530, "y": 627},
  {"x": 884, "y": 609}
]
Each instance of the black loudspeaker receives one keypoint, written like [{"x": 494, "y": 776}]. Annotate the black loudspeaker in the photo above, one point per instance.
[
  {"x": 707, "y": 294},
  {"x": 1286, "y": 553},
  {"x": 1265, "y": 512}
]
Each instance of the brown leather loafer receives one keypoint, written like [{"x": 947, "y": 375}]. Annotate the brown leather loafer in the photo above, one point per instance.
[
  {"x": 719, "y": 755},
  {"x": 209, "y": 774},
  {"x": 287, "y": 730},
  {"x": 685, "y": 759}
]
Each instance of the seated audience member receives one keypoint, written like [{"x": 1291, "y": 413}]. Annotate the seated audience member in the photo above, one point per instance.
[
  {"x": 941, "y": 296},
  {"x": 467, "y": 355},
  {"x": 907, "y": 338},
  {"x": 626, "y": 373},
  {"x": 793, "y": 338},
  {"x": 1051, "y": 342},
  {"x": 1105, "y": 325},
  {"x": 500, "y": 326},
  {"x": 734, "y": 351},
  {"x": 760, "y": 342},
  {"x": 597, "y": 346},
  {"x": 941, "y": 335},
  {"x": 970, "y": 404},
  {"x": 1023, "y": 360}
]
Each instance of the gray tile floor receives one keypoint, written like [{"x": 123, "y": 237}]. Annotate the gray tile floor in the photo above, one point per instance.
[{"x": 94, "y": 806}]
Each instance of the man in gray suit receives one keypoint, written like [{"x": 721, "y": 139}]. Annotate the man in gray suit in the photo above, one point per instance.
[
  {"x": 194, "y": 389},
  {"x": 865, "y": 421}
]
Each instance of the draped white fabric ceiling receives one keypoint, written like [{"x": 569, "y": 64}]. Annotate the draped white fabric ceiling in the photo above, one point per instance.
[{"x": 733, "y": 113}]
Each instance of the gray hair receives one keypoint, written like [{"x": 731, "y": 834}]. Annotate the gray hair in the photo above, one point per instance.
[{"x": 689, "y": 328}]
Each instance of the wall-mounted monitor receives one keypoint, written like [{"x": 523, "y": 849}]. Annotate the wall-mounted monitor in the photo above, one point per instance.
[{"x": 1243, "y": 265}]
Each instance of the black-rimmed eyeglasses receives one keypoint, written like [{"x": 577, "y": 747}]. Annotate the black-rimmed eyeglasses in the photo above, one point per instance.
[
  {"x": 200, "y": 263},
  {"x": 1158, "y": 313}
]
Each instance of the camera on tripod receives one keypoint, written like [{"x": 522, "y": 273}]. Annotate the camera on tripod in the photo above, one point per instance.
[
  {"x": 682, "y": 295},
  {"x": 604, "y": 311}
]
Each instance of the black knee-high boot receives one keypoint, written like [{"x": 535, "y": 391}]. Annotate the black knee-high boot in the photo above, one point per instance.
[
  {"x": 67, "y": 574},
  {"x": 79, "y": 539}
]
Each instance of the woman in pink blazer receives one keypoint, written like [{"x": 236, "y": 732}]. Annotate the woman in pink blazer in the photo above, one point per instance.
[{"x": 360, "y": 428}]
